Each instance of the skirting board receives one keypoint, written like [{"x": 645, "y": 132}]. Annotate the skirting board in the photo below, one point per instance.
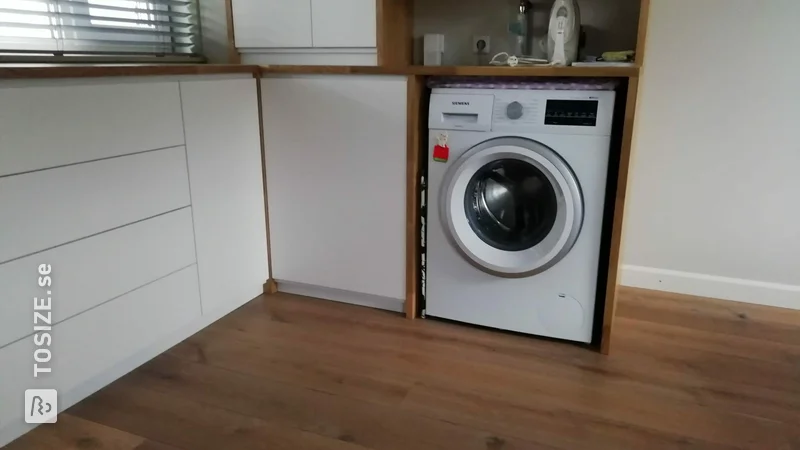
[
  {"x": 66, "y": 399},
  {"x": 340, "y": 295},
  {"x": 701, "y": 285}
]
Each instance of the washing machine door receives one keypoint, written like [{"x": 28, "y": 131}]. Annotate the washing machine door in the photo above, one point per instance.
[{"x": 512, "y": 206}]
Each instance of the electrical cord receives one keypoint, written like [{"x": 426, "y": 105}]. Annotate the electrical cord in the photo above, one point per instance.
[{"x": 513, "y": 61}]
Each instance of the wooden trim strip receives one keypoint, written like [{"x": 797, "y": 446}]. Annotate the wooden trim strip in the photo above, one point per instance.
[
  {"x": 62, "y": 71},
  {"x": 641, "y": 37},
  {"x": 415, "y": 90},
  {"x": 542, "y": 71},
  {"x": 617, "y": 229},
  {"x": 233, "y": 54},
  {"x": 619, "y": 216},
  {"x": 264, "y": 172},
  {"x": 394, "y": 32},
  {"x": 56, "y": 71},
  {"x": 528, "y": 71},
  {"x": 271, "y": 286}
]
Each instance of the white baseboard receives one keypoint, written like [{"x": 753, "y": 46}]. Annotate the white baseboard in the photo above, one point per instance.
[
  {"x": 11, "y": 431},
  {"x": 340, "y": 295},
  {"x": 736, "y": 289}
]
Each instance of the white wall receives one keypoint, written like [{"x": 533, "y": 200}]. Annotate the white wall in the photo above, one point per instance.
[
  {"x": 459, "y": 20},
  {"x": 215, "y": 30},
  {"x": 714, "y": 201}
]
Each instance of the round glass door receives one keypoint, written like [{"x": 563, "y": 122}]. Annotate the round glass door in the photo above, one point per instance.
[{"x": 512, "y": 206}]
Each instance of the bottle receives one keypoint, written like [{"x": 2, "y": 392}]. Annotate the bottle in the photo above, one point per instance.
[{"x": 518, "y": 29}]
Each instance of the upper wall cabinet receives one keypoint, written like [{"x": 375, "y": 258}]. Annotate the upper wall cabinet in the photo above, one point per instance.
[
  {"x": 272, "y": 23},
  {"x": 321, "y": 32},
  {"x": 343, "y": 23}
]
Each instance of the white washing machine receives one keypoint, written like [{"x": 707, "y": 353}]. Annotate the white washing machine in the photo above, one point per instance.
[{"x": 515, "y": 210}]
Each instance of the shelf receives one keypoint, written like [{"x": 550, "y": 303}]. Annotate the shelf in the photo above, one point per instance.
[{"x": 525, "y": 71}]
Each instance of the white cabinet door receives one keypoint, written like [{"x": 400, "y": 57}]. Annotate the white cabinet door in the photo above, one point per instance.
[
  {"x": 344, "y": 23},
  {"x": 223, "y": 144},
  {"x": 336, "y": 168},
  {"x": 272, "y": 23}
]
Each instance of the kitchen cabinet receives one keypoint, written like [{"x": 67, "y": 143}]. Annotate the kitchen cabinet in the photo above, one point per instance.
[
  {"x": 144, "y": 198},
  {"x": 336, "y": 163},
  {"x": 306, "y": 32},
  {"x": 343, "y": 23},
  {"x": 272, "y": 23},
  {"x": 223, "y": 146}
]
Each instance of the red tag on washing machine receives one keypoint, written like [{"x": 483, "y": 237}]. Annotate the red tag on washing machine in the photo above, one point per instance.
[{"x": 441, "y": 153}]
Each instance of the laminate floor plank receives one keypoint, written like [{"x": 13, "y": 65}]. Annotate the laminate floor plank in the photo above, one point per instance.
[
  {"x": 72, "y": 433},
  {"x": 356, "y": 421},
  {"x": 176, "y": 421},
  {"x": 728, "y": 317},
  {"x": 152, "y": 445},
  {"x": 617, "y": 377},
  {"x": 317, "y": 369},
  {"x": 293, "y": 372}
]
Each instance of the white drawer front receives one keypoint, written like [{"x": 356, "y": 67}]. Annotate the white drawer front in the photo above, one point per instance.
[
  {"x": 50, "y": 126},
  {"x": 51, "y": 207},
  {"x": 90, "y": 271},
  {"x": 94, "y": 342}
]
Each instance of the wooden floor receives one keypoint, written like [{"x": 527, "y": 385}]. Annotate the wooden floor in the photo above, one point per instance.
[{"x": 287, "y": 372}]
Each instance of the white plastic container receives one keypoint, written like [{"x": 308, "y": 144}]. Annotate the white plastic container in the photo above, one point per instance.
[{"x": 433, "y": 49}]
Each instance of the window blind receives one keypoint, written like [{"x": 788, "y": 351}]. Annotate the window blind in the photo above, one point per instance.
[{"x": 107, "y": 29}]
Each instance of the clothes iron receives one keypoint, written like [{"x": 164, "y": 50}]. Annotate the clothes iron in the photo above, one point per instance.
[{"x": 564, "y": 33}]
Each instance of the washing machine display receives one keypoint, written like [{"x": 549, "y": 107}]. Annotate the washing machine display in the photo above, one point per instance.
[{"x": 512, "y": 206}]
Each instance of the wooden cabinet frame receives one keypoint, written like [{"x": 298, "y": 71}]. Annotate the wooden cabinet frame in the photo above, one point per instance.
[
  {"x": 395, "y": 45},
  {"x": 417, "y": 130}
]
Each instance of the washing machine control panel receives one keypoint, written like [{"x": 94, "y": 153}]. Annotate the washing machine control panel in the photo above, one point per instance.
[
  {"x": 522, "y": 111},
  {"x": 553, "y": 111},
  {"x": 514, "y": 110},
  {"x": 582, "y": 113}
]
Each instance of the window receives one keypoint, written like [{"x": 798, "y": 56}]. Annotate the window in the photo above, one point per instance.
[{"x": 99, "y": 30}]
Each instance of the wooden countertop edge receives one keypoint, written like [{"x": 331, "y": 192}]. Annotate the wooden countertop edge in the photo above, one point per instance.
[
  {"x": 88, "y": 71},
  {"x": 64, "y": 71},
  {"x": 546, "y": 71}
]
